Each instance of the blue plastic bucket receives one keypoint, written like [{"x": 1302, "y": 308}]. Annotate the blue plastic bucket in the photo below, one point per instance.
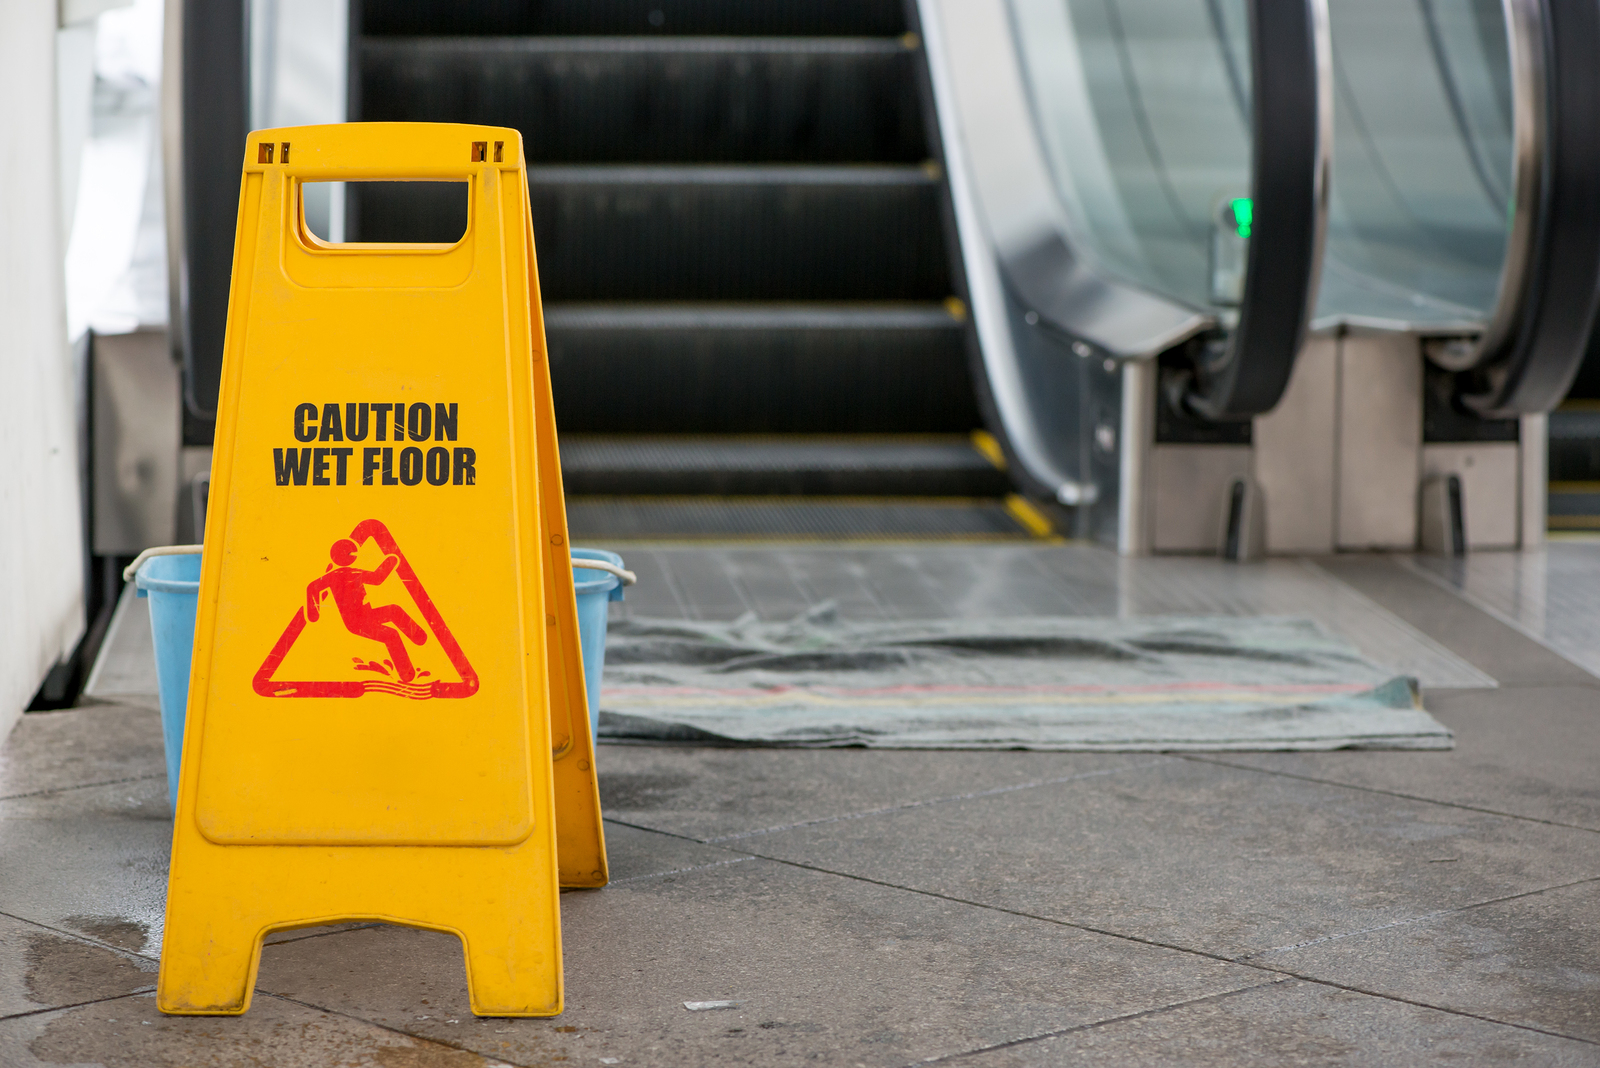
[
  {"x": 172, "y": 583},
  {"x": 595, "y": 590}
]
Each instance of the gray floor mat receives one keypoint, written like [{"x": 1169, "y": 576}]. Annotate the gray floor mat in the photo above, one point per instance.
[{"x": 1172, "y": 683}]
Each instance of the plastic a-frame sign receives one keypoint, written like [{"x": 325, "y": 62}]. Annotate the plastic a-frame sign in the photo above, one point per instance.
[{"x": 386, "y": 715}]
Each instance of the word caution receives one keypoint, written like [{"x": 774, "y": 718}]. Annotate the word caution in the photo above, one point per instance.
[{"x": 379, "y": 465}]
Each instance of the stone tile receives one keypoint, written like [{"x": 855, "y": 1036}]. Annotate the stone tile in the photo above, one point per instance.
[
  {"x": 78, "y": 746},
  {"x": 1294, "y": 1023},
  {"x": 823, "y": 968},
  {"x": 91, "y": 872},
  {"x": 135, "y": 799},
  {"x": 1529, "y": 751},
  {"x": 41, "y": 969},
  {"x": 1205, "y": 857},
  {"x": 1534, "y": 960},
  {"x": 709, "y": 792},
  {"x": 1505, "y": 653},
  {"x": 130, "y": 1033}
]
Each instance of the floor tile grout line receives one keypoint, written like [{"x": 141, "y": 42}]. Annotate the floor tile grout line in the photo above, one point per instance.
[
  {"x": 1075, "y": 1028},
  {"x": 319, "y": 934},
  {"x": 1242, "y": 962},
  {"x": 1219, "y": 762},
  {"x": 681, "y": 871},
  {"x": 1016, "y": 912},
  {"x": 83, "y": 786},
  {"x": 488, "y": 1058},
  {"x": 1403, "y": 1000},
  {"x": 1245, "y": 960},
  {"x": 1426, "y": 917},
  {"x": 974, "y": 795},
  {"x": 140, "y": 992},
  {"x": 83, "y": 939}
]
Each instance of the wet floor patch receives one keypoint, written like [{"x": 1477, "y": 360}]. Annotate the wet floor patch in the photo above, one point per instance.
[
  {"x": 131, "y": 1033},
  {"x": 64, "y": 971},
  {"x": 130, "y": 935}
]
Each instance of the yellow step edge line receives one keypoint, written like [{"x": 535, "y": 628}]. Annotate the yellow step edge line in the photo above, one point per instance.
[
  {"x": 1575, "y": 487},
  {"x": 985, "y": 443},
  {"x": 1030, "y": 517},
  {"x": 700, "y": 541}
]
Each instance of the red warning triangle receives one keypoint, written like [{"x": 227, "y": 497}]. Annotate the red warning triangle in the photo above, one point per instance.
[{"x": 345, "y": 587}]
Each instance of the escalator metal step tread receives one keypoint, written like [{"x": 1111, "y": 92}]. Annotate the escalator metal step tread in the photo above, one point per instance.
[
  {"x": 760, "y": 368},
  {"x": 1574, "y": 505},
  {"x": 643, "y": 99},
  {"x": 890, "y": 465},
  {"x": 876, "y": 18},
  {"x": 716, "y": 233},
  {"x": 1574, "y": 454},
  {"x": 684, "y": 315},
  {"x": 701, "y": 518}
]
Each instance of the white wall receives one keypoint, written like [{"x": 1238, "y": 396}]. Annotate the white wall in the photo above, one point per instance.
[{"x": 41, "y": 577}]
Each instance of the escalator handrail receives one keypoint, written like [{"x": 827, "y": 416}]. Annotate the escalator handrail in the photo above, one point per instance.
[
  {"x": 1550, "y": 285},
  {"x": 1011, "y": 235},
  {"x": 1292, "y": 123}
]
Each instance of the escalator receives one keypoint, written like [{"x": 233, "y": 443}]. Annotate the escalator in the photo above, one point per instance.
[
  {"x": 996, "y": 269},
  {"x": 1464, "y": 214},
  {"x": 1325, "y": 254},
  {"x": 753, "y": 326}
]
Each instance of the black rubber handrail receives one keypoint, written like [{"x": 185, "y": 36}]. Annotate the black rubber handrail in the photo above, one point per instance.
[
  {"x": 1291, "y": 126},
  {"x": 1532, "y": 369}
]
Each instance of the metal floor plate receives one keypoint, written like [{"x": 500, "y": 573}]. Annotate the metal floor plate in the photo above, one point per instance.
[
  {"x": 946, "y": 581},
  {"x": 1548, "y": 595},
  {"x": 790, "y": 519}
]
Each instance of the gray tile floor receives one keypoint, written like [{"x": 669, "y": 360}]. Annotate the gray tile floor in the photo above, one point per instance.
[{"x": 890, "y": 908}]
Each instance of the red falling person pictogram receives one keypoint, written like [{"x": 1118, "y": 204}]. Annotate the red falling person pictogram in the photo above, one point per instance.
[{"x": 390, "y": 625}]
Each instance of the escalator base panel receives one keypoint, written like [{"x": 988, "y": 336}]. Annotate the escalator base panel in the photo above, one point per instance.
[{"x": 792, "y": 519}]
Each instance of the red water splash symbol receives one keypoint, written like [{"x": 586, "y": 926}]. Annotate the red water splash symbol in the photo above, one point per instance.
[{"x": 379, "y": 624}]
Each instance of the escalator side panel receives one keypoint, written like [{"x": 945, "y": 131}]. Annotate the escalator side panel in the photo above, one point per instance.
[{"x": 206, "y": 141}]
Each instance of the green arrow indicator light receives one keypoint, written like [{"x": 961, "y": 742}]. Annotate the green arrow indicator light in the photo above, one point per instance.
[{"x": 1242, "y": 215}]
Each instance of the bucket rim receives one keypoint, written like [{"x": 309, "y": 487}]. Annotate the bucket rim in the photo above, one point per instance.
[{"x": 148, "y": 583}]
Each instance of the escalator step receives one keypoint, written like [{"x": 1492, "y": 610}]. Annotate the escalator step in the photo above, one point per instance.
[
  {"x": 659, "y": 99},
  {"x": 1575, "y": 444},
  {"x": 658, "y": 233},
  {"x": 781, "y": 368},
  {"x": 754, "y": 17},
  {"x": 928, "y": 466},
  {"x": 1574, "y": 506},
  {"x": 617, "y": 518}
]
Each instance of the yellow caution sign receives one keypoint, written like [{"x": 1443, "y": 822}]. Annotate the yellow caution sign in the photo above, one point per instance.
[{"x": 386, "y": 715}]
